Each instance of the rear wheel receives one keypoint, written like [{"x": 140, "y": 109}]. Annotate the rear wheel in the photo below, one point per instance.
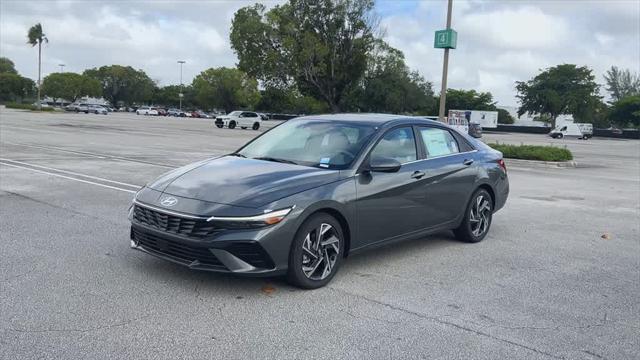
[
  {"x": 316, "y": 252},
  {"x": 560, "y": 136},
  {"x": 256, "y": 126},
  {"x": 477, "y": 218},
  {"x": 232, "y": 124}
]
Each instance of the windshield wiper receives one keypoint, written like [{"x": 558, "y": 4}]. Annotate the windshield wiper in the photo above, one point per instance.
[
  {"x": 237, "y": 154},
  {"x": 268, "y": 158}
]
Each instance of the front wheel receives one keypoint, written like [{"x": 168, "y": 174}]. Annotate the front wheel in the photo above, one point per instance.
[
  {"x": 316, "y": 252},
  {"x": 477, "y": 218},
  {"x": 256, "y": 126},
  {"x": 232, "y": 125}
]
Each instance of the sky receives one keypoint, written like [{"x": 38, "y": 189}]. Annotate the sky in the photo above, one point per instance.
[{"x": 499, "y": 42}]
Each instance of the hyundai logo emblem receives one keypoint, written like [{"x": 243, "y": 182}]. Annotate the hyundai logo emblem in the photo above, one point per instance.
[{"x": 169, "y": 201}]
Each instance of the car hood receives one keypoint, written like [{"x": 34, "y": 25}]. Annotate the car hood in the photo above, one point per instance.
[{"x": 243, "y": 182}]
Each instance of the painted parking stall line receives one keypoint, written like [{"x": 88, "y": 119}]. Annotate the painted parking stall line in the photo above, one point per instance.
[{"x": 74, "y": 176}]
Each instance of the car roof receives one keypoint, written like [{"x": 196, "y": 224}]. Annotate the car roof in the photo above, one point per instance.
[{"x": 370, "y": 118}]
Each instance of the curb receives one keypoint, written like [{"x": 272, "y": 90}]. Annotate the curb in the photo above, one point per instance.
[{"x": 543, "y": 164}]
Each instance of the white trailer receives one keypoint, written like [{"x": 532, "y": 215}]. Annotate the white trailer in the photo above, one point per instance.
[{"x": 486, "y": 119}]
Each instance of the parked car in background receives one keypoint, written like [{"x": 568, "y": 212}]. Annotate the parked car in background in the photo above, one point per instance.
[
  {"x": 243, "y": 119},
  {"x": 300, "y": 198},
  {"x": 42, "y": 104},
  {"x": 576, "y": 130},
  {"x": 146, "y": 110},
  {"x": 263, "y": 116},
  {"x": 97, "y": 109},
  {"x": 176, "y": 112},
  {"x": 200, "y": 114},
  {"x": 162, "y": 111},
  {"x": 475, "y": 130}
]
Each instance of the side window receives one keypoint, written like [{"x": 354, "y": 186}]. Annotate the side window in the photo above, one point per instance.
[
  {"x": 438, "y": 142},
  {"x": 249, "y": 114},
  {"x": 397, "y": 144}
]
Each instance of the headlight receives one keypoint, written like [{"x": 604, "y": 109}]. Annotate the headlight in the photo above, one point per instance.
[{"x": 240, "y": 222}]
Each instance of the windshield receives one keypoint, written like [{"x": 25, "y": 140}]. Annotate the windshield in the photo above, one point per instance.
[
  {"x": 235, "y": 113},
  {"x": 325, "y": 144}
]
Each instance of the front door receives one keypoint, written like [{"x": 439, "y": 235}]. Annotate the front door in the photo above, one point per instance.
[{"x": 388, "y": 202}]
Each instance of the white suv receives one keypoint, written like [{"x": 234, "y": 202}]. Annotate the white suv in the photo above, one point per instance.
[
  {"x": 146, "y": 110},
  {"x": 244, "y": 119}
]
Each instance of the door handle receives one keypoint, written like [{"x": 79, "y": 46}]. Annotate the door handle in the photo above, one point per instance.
[
  {"x": 467, "y": 162},
  {"x": 417, "y": 174}
]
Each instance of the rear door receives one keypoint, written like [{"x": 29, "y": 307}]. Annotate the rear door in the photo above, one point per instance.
[
  {"x": 450, "y": 174},
  {"x": 248, "y": 118}
]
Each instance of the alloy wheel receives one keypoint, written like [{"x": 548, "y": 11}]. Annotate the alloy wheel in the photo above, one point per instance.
[
  {"x": 480, "y": 215},
  {"x": 320, "y": 251}
]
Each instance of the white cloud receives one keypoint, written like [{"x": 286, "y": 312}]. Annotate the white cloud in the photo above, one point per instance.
[{"x": 524, "y": 28}]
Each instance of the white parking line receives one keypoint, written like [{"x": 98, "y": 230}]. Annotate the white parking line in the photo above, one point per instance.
[
  {"x": 69, "y": 178},
  {"x": 70, "y": 173}
]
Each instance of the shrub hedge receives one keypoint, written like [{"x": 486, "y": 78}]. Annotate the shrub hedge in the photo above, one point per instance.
[{"x": 533, "y": 152}]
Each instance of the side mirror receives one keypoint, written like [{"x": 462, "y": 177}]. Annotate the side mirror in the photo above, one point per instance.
[{"x": 384, "y": 164}]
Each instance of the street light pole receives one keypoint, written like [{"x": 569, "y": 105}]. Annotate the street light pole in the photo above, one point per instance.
[
  {"x": 445, "y": 69},
  {"x": 181, "y": 62},
  {"x": 61, "y": 67}
]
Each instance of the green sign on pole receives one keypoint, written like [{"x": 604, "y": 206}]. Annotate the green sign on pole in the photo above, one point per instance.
[{"x": 445, "y": 39}]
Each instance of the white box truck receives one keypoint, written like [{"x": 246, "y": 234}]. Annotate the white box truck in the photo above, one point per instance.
[{"x": 576, "y": 130}]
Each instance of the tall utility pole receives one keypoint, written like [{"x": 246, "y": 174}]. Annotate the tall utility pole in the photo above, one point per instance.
[
  {"x": 61, "y": 67},
  {"x": 181, "y": 62},
  {"x": 447, "y": 34}
]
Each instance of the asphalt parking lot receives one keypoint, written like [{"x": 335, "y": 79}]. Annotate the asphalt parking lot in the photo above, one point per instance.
[{"x": 557, "y": 277}]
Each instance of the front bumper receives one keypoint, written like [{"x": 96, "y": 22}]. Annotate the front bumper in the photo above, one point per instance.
[{"x": 254, "y": 252}]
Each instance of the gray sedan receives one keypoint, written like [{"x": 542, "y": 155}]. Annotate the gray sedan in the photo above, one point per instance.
[{"x": 302, "y": 197}]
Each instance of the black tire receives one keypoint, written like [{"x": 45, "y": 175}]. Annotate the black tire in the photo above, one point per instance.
[
  {"x": 243, "y": 127},
  {"x": 475, "y": 220},
  {"x": 256, "y": 126},
  {"x": 296, "y": 275},
  {"x": 232, "y": 124},
  {"x": 560, "y": 136}
]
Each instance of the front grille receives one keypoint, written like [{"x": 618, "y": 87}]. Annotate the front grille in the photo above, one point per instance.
[
  {"x": 179, "y": 251},
  {"x": 193, "y": 228}
]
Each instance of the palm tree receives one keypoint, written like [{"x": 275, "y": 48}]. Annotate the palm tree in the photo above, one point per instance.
[{"x": 36, "y": 37}]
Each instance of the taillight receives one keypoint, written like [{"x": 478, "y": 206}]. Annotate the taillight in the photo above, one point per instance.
[{"x": 502, "y": 165}]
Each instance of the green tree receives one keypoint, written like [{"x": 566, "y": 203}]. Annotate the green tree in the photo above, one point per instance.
[
  {"x": 626, "y": 112},
  {"x": 563, "y": 89},
  {"x": 70, "y": 86},
  {"x": 170, "y": 96},
  {"x": 290, "y": 101},
  {"x": 321, "y": 46},
  {"x": 15, "y": 88},
  {"x": 123, "y": 84},
  {"x": 389, "y": 86},
  {"x": 504, "y": 117},
  {"x": 622, "y": 83},
  {"x": 36, "y": 36},
  {"x": 225, "y": 88},
  {"x": 469, "y": 100},
  {"x": 7, "y": 66}
]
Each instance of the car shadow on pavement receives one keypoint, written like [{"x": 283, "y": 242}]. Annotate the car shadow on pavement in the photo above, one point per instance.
[
  {"x": 159, "y": 271},
  {"x": 400, "y": 250}
]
